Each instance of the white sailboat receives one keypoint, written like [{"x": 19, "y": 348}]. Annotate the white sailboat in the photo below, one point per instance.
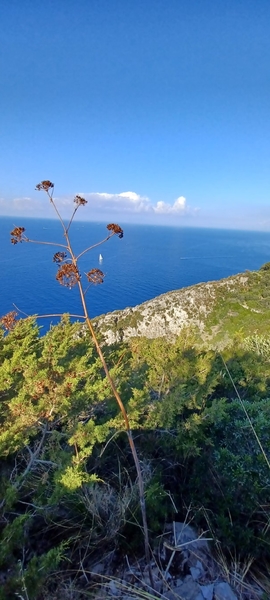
[{"x": 100, "y": 258}]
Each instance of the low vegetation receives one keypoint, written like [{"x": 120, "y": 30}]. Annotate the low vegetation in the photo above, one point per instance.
[{"x": 69, "y": 488}]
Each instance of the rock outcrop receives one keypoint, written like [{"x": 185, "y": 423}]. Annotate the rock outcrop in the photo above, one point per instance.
[
  {"x": 183, "y": 568},
  {"x": 169, "y": 313}
]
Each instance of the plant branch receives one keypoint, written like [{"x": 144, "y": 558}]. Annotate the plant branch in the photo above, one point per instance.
[
  {"x": 56, "y": 210},
  {"x": 48, "y": 316},
  {"x": 26, "y": 239},
  {"x": 59, "y": 315},
  {"x": 95, "y": 245},
  {"x": 46, "y": 185},
  {"x": 72, "y": 217},
  {"x": 123, "y": 411},
  {"x": 33, "y": 457},
  {"x": 128, "y": 432},
  {"x": 246, "y": 413}
]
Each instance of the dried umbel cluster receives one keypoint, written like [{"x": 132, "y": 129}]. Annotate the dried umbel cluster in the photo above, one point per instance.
[
  {"x": 17, "y": 235},
  {"x": 45, "y": 186},
  {"x": 8, "y": 321},
  {"x": 95, "y": 276},
  {"x": 68, "y": 275},
  {"x": 58, "y": 257},
  {"x": 80, "y": 201},
  {"x": 115, "y": 229}
]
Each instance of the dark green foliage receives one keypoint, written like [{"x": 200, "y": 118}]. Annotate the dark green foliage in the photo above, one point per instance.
[
  {"x": 68, "y": 483},
  {"x": 265, "y": 267}
]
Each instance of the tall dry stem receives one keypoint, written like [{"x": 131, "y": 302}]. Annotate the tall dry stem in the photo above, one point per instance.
[{"x": 69, "y": 275}]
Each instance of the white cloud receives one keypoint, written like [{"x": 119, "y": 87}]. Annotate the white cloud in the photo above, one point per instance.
[
  {"x": 179, "y": 206},
  {"x": 25, "y": 204},
  {"x": 22, "y": 206},
  {"x": 100, "y": 204},
  {"x": 134, "y": 203},
  {"x": 131, "y": 195},
  {"x": 123, "y": 202}
]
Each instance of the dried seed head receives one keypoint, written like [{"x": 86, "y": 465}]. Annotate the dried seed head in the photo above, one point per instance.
[
  {"x": 95, "y": 276},
  {"x": 8, "y": 321},
  {"x": 17, "y": 234},
  {"x": 80, "y": 201},
  {"x": 116, "y": 229},
  {"x": 45, "y": 185},
  {"x": 39, "y": 387},
  {"x": 68, "y": 275},
  {"x": 58, "y": 257}
]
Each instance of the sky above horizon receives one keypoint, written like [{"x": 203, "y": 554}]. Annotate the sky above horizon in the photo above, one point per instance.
[{"x": 156, "y": 111}]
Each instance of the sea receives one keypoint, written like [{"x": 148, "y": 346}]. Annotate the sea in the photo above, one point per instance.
[{"x": 147, "y": 262}]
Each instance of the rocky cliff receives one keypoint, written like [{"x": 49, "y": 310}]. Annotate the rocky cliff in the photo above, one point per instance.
[{"x": 215, "y": 309}]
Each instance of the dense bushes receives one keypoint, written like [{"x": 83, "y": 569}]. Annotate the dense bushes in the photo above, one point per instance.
[{"x": 68, "y": 484}]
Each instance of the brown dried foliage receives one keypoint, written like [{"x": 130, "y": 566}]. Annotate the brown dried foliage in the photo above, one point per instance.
[
  {"x": 39, "y": 388},
  {"x": 58, "y": 257},
  {"x": 116, "y": 229},
  {"x": 68, "y": 275},
  {"x": 45, "y": 185},
  {"x": 80, "y": 201},
  {"x": 95, "y": 276},
  {"x": 17, "y": 234},
  {"x": 8, "y": 321}
]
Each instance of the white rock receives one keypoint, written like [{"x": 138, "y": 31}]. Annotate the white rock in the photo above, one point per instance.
[
  {"x": 207, "y": 591},
  {"x": 196, "y": 573},
  {"x": 189, "y": 590},
  {"x": 113, "y": 590},
  {"x": 223, "y": 591},
  {"x": 200, "y": 566},
  {"x": 185, "y": 534}
]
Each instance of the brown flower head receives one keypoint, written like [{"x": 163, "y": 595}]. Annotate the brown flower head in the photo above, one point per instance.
[
  {"x": 45, "y": 185},
  {"x": 80, "y": 201},
  {"x": 17, "y": 234},
  {"x": 95, "y": 276},
  {"x": 68, "y": 275},
  {"x": 116, "y": 229},
  {"x": 58, "y": 257},
  {"x": 9, "y": 320}
]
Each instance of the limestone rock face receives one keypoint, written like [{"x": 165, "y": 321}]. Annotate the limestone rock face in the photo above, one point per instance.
[{"x": 168, "y": 314}]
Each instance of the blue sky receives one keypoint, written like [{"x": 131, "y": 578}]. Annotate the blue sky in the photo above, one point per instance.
[{"x": 156, "y": 110}]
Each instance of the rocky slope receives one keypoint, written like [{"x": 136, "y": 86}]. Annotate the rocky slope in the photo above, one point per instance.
[{"x": 215, "y": 309}]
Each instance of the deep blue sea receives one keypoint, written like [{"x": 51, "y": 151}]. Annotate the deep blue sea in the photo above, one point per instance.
[{"x": 147, "y": 262}]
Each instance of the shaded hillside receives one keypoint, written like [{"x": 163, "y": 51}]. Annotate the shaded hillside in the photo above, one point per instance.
[{"x": 216, "y": 309}]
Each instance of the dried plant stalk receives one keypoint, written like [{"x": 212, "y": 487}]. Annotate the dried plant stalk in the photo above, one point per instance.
[{"x": 68, "y": 275}]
